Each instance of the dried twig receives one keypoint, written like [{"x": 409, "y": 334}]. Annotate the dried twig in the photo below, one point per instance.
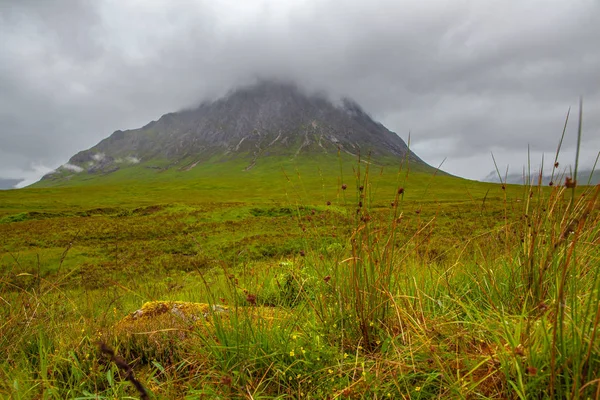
[{"x": 123, "y": 366}]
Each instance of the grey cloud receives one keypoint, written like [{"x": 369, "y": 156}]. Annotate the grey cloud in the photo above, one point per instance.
[
  {"x": 465, "y": 77},
  {"x": 68, "y": 28}
]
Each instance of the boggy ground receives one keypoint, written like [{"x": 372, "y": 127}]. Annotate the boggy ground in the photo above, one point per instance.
[{"x": 389, "y": 288}]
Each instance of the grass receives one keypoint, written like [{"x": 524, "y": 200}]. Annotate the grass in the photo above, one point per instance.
[{"x": 342, "y": 280}]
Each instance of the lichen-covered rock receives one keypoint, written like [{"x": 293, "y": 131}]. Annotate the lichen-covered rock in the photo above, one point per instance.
[
  {"x": 162, "y": 316},
  {"x": 181, "y": 309},
  {"x": 165, "y": 330}
]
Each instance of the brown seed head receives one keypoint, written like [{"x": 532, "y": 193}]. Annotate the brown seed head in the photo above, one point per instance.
[
  {"x": 251, "y": 298},
  {"x": 401, "y": 190},
  {"x": 570, "y": 183},
  {"x": 344, "y": 186}
]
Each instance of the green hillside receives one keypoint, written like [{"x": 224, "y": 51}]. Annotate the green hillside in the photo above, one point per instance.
[{"x": 317, "y": 178}]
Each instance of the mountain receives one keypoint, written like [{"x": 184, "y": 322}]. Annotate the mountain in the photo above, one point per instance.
[
  {"x": 584, "y": 177},
  {"x": 249, "y": 125},
  {"x": 9, "y": 183}
]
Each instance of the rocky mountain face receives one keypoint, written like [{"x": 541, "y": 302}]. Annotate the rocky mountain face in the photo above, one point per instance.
[{"x": 265, "y": 119}]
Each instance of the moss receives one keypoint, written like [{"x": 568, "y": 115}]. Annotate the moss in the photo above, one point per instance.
[{"x": 158, "y": 316}]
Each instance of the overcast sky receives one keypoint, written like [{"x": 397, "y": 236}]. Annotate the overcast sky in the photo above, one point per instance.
[{"x": 464, "y": 77}]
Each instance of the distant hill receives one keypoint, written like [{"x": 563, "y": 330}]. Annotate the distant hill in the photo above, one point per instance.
[
  {"x": 249, "y": 126},
  {"x": 520, "y": 179},
  {"x": 9, "y": 183}
]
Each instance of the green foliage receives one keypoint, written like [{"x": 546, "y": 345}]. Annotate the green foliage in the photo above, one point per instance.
[
  {"x": 445, "y": 289},
  {"x": 14, "y": 218},
  {"x": 288, "y": 286}
]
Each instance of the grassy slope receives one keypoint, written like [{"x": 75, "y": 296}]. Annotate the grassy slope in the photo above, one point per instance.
[
  {"x": 315, "y": 179},
  {"x": 74, "y": 260}
]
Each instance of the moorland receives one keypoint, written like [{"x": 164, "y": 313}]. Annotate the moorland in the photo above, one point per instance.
[{"x": 338, "y": 279}]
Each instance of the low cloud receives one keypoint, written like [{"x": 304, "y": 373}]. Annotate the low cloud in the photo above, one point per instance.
[
  {"x": 98, "y": 157},
  {"x": 72, "y": 168},
  {"x": 32, "y": 174},
  {"x": 128, "y": 160}
]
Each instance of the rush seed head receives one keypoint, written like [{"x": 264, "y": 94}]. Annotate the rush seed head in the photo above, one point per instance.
[{"x": 251, "y": 298}]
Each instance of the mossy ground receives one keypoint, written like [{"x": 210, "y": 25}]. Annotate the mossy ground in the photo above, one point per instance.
[{"x": 450, "y": 289}]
